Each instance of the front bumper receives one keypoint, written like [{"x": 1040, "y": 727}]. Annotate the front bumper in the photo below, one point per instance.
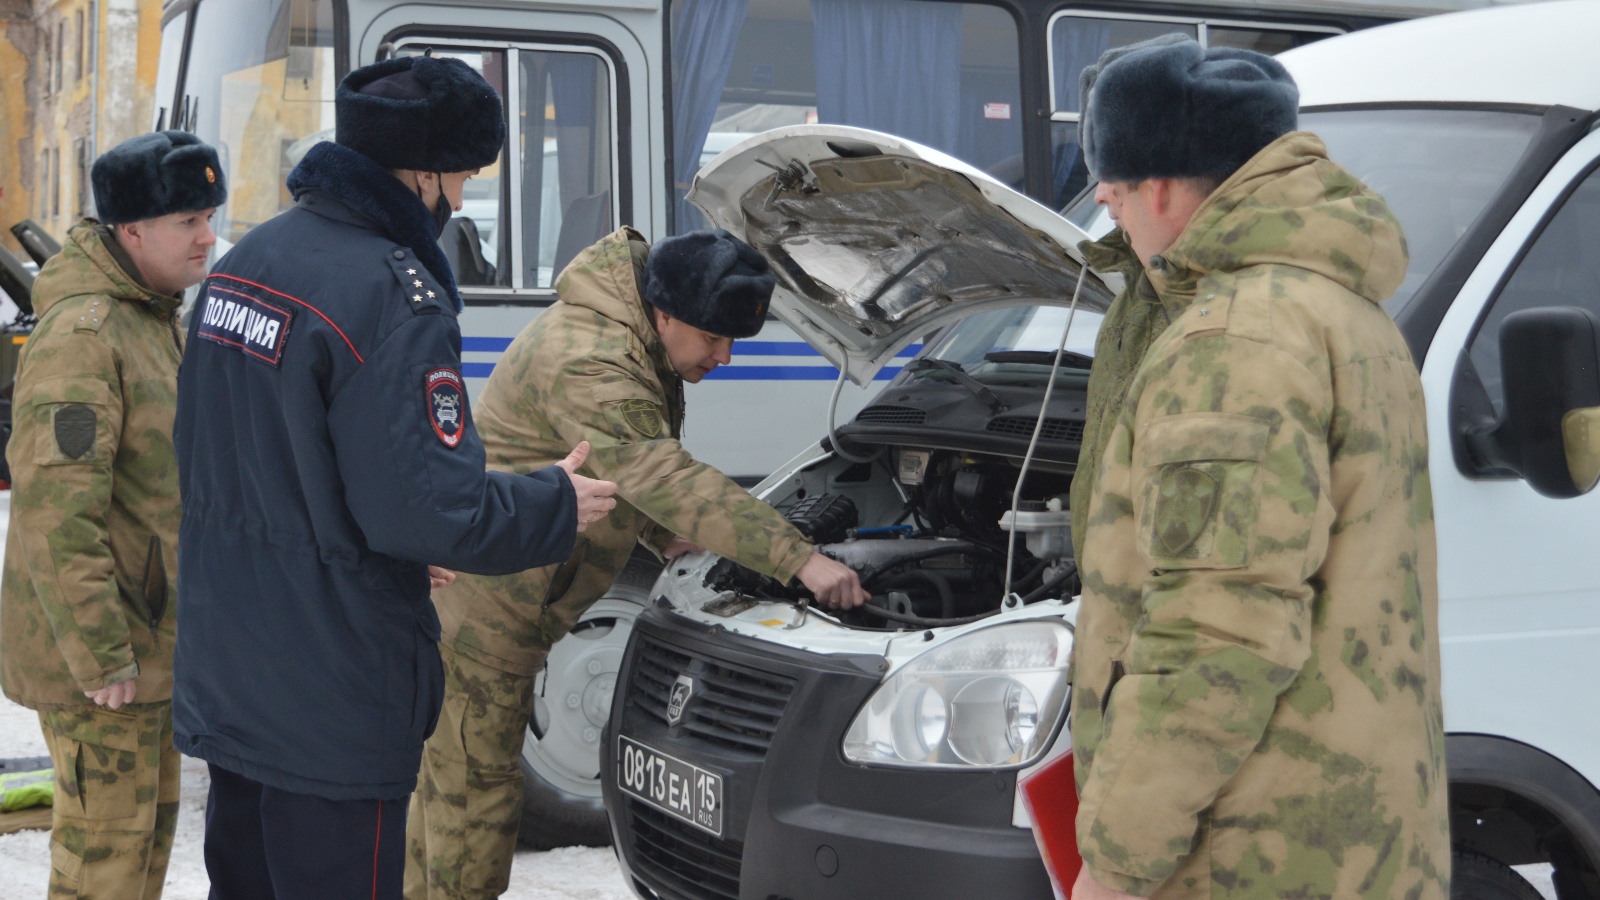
[{"x": 798, "y": 821}]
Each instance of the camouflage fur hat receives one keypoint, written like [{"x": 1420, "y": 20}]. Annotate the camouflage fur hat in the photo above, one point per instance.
[
  {"x": 711, "y": 280},
  {"x": 156, "y": 174},
  {"x": 420, "y": 112},
  {"x": 1170, "y": 109}
]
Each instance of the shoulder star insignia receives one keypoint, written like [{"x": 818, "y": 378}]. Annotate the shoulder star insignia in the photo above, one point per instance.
[
  {"x": 411, "y": 271},
  {"x": 416, "y": 283},
  {"x": 430, "y": 295},
  {"x": 416, "y": 298}
]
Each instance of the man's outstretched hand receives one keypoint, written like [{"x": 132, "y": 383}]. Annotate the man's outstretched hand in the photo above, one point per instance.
[
  {"x": 595, "y": 498},
  {"x": 834, "y": 584}
]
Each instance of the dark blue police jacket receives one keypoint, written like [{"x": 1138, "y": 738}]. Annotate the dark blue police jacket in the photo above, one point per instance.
[{"x": 326, "y": 456}]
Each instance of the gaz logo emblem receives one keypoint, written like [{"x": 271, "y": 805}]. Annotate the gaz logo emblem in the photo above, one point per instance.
[{"x": 682, "y": 690}]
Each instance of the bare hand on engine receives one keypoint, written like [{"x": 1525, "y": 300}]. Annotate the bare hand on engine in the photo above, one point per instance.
[
  {"x": 595, "y": 497},
  {"x": 834, "y": 584}
]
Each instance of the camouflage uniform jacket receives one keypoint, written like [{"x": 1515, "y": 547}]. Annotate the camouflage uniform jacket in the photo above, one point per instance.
[
  {"x": 1256, "y": 710},
  {"x": 87, "y": 595},
  {"x": 591, "y": 368}
]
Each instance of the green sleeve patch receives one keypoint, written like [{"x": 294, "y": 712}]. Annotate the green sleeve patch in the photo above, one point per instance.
[
  {"x": 1186, "y": 498},
  {"x": 642, "y": 416},
  {"x": 74, "y": 429}
]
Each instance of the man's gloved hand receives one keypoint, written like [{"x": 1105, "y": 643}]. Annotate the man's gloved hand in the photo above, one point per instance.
[
  {"x": 834, "y": 584},
  {"x": 595, "y": 498}
]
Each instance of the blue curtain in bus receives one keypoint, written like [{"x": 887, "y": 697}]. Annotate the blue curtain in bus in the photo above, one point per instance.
[
  {"x": 585, "y": 199},
  {"x": 1074, "y": 45},
  {"x": 704, "y": 33},
  {"x": 573, "y": 80},
  {"x": 890, "y": 65}
]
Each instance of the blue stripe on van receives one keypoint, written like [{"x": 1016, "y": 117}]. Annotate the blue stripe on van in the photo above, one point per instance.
[
  {"x": 485, "y": 344},
  {"x": 802, "y": 372},
  {"x": 787, "y": 373}
]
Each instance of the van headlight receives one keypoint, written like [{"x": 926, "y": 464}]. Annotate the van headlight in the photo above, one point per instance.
[{"x": 987, "y": 699}]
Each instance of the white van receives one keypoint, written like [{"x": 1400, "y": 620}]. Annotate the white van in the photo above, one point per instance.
[{"x": 875, "y": 754}]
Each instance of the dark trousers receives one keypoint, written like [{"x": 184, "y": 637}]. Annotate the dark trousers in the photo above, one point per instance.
[{"x": 267, "y": 844}]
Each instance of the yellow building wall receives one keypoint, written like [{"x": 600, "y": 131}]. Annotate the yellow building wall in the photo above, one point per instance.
[{"x": 103, "y": 54}]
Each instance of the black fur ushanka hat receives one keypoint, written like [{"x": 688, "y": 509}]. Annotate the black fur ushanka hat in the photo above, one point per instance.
[
  {"x": 156, "y": 174},
  {"x": 1170, "y": 109},
  {"x": 420, "y": 112},
  {"x": 711, "y": 280}
]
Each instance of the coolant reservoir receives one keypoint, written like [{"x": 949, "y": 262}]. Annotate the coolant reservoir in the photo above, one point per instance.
[{"x": 1045, "y": 525}]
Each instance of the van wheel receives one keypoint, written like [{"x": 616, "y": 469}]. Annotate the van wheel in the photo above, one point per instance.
[
  {"x": 561, "y": 803},
  {"x": 1477, "y": 877}
]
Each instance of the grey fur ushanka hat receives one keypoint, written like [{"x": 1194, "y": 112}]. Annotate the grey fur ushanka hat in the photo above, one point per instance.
[
  {"x": 1167, "y": 108},
  {"x": 154, "y": 175},
  {"x": 711, "y": 280},
  {"x": 430, "y": 114}
]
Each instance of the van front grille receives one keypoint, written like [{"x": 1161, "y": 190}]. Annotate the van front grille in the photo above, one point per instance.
[
  {"x": 732, "y": 706},
  {"x": 682, "y": 862}
]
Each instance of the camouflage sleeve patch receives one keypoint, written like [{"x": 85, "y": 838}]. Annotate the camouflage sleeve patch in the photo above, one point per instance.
[
  {"x": 630, "y": 413},
  {"x": 1199, "y": 495},
  {"x": 75, "y": 425}
]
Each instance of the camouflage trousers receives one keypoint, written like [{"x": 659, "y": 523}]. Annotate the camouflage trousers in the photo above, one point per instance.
[
  {"x": 461, "y": 830},
  {"x": 116, "y": 800}
]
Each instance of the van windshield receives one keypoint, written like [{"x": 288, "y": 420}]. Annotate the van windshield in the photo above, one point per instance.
[
  {"x": 1018, "y": 344},
  {"x": 1437, "y": 168}
]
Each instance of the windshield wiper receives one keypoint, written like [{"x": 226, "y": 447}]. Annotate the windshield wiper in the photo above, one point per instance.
[
  {"x": 954, "y": 370},
  {"x": 1040, "y": 357}
]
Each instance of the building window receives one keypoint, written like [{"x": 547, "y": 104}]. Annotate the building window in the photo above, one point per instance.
[
  {"x": 78, "y": 22},
  {"x": 49, "y": 63},
  {"x": 61, "y": 51},
  {"x": 94, "y": 33}
]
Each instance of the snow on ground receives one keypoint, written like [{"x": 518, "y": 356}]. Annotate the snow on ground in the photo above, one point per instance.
[{"x": 572, "y": 873}]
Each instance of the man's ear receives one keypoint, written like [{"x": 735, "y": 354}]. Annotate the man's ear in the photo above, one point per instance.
[{"x": 130, "y": 234}]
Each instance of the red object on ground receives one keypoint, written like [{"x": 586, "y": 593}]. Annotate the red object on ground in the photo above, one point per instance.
[{"x": 1051, "y": 797}]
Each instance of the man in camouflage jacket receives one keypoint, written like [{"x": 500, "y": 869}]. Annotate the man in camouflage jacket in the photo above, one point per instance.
[
  {"x": 86, "y": 612},
  {"x": 606, "y": 363},
  {"x": 1256, "y": 707}
]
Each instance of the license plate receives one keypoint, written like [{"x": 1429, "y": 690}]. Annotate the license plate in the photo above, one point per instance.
[{"x": 681, "y": 790}]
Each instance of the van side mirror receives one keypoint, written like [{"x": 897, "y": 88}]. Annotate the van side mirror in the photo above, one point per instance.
[{"x": 1549, "y": 433}]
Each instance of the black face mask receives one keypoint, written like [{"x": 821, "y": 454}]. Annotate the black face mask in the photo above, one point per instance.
[{"x": 441, "y": 208}]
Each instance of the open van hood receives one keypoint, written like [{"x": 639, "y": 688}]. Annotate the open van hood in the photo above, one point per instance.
[{"x": 877, "y": 241}]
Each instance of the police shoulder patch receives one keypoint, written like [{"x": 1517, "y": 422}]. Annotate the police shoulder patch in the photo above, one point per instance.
[
  {"x": 643, "y": 416},
  {"x": 446, "y": 403}
]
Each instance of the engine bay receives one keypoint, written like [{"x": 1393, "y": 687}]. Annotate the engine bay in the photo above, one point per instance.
[{"x": 928, "y": 532}]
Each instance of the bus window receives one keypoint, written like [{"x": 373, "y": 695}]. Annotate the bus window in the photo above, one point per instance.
[
  {"x": 1077, "y": 38},
  {"x": 942, "y": 74},
  {"x": 259, "y": 87},
  {"x": 567, "y": 147}
]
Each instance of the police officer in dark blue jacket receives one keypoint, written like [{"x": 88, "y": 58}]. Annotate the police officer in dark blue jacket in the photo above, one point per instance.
[{"x": 326, "y": 457}]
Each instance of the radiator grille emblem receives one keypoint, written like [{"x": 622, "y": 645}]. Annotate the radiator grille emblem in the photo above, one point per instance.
[{"x": 682, "y": 690}]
